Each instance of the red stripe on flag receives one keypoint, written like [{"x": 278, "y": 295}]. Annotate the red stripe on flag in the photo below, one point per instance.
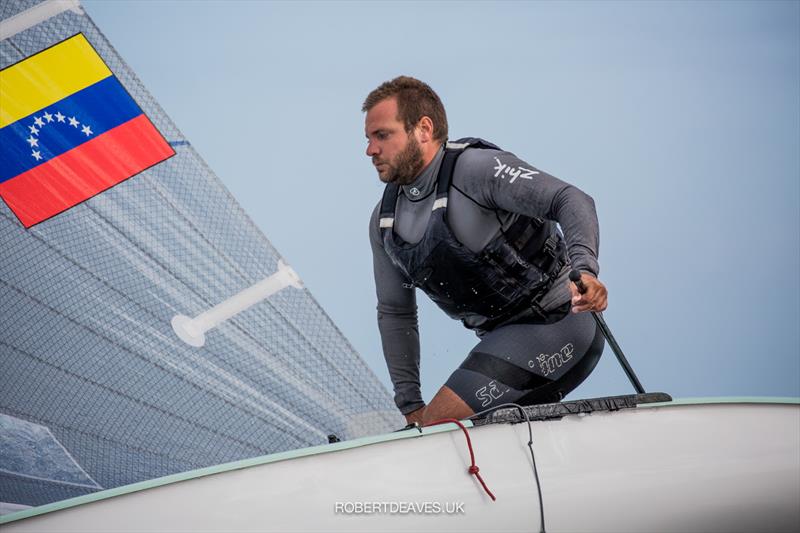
[{"x": 89, "y": 169}]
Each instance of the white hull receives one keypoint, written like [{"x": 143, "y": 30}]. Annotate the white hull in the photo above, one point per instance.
[{"x": 708, "y": 467}]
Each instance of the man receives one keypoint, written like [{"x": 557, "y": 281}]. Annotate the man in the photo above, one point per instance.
[{"x": 475, "y": 228}]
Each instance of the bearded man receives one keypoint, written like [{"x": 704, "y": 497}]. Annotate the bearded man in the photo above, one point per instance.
[{"x": 477, "y": 230}]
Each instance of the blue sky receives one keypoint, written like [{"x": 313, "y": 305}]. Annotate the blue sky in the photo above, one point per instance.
[{"x": 681, "y": 120}]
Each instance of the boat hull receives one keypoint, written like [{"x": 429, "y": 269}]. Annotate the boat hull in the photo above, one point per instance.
[{"x": 710, "y": 467}]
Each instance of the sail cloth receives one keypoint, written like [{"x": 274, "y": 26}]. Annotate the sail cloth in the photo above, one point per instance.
[{"x": 94, "y": 384}]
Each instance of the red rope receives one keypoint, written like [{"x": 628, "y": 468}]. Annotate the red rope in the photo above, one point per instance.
[{"x": 473, "y": 469}]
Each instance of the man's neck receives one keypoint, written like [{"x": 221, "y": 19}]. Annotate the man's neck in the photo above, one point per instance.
[
  {"x": 429, "y": 152},
  {"x": 424, "y": 183}
]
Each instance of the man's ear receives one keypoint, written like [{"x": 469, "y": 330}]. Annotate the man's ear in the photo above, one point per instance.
[{"x": 425, "y": 130}]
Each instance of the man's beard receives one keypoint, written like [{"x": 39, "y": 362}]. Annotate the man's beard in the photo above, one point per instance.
[{"x": 406, "y": 166}]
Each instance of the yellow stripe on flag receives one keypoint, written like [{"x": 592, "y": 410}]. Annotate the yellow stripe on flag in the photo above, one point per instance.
[{"x": 47, "y": 77}]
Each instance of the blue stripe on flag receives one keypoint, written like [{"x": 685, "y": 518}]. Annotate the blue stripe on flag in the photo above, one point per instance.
[{"x": 59, "y": 127}]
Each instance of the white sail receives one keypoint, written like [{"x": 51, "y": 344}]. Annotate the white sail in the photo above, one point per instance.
[{"x": 87, "y": 351}]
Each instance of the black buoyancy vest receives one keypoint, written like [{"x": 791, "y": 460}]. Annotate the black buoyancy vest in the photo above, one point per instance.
[{"x": 503, "y": 283}]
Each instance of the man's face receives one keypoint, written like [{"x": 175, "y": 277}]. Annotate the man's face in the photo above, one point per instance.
[{"x": 396, "y": 154}]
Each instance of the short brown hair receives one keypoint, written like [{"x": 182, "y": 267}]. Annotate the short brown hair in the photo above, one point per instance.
[{"x": 415, "y": 99}]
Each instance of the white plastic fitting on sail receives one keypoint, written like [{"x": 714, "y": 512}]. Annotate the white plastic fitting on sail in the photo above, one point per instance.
[{"x": 192, "y": 330}]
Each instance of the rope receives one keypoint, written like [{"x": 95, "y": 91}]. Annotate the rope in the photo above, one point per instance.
[
  {"x": 527, "y": 417},
  {"x": 473, "y": 469}
]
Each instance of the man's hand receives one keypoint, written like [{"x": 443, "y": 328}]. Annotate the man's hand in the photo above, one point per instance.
[
  {"x": 594, "y": 298},
  {"x": 415, "y": 416}
]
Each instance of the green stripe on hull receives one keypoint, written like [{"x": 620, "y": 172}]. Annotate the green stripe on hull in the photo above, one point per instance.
[{"x": 227, "y": 467}]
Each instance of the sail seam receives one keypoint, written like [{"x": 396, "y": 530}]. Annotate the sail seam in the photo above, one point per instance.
[
  {"x": 145, "y": 255},
  {"x": 287, "y": 427},
  {"x": 139, "y": 401}
]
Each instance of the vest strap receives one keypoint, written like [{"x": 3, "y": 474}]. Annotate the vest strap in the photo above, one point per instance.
[
  {"x": 389, "y": 201},
  {"x": 446, "y": 172},
  {"x": 439, "y": 203}
]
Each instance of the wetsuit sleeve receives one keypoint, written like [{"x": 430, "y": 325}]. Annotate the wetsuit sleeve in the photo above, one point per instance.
[
  {"x": 500, "y": 180},
  {"x": 397, "y": 324}
]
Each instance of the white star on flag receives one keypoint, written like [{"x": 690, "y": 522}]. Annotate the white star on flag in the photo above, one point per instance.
[
  {"x": 38, "y": 121},
  {"x": 33, "y": 129},
  {"x": 48, "y": 117},
  {"x": 37, "y": 155},
  {"x": 59, "y": 116},
  {"x": 33, "y": 140},
  {"x": 87, "y": 130},
  {"x": 72, "y": 122}
]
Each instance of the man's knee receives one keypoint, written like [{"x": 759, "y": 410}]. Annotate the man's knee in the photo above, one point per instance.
[{"x": 446, "y": 404}]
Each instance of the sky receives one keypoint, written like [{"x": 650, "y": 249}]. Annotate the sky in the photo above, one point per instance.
[{"x": 680, "y": 119}]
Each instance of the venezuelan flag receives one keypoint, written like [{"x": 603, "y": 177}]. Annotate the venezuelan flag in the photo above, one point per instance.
[{"x": 68, "y": 131}]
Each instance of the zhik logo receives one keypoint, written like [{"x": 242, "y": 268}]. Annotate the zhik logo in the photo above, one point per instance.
[{"x": 503, "y": 170}]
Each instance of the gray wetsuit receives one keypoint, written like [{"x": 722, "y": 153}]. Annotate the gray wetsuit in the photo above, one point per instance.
[{"x": 520, "y": 362}]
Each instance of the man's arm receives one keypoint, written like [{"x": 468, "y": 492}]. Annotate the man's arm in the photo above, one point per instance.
[
  {"x": 397, "y": 324},
  {"x": 500, "y": 180}
]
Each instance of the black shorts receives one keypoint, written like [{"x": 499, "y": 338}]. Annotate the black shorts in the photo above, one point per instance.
[{"x": 529, "y": 363}]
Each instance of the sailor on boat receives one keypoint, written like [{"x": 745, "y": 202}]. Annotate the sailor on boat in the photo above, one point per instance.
[{"x": 477, "y": 229}]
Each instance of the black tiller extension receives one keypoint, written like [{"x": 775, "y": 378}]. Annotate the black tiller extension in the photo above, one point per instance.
[{"x": 575, "y": 277}]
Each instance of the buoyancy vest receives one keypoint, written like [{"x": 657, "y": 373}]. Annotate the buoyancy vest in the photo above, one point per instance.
[{"x": 501, "y": 284}]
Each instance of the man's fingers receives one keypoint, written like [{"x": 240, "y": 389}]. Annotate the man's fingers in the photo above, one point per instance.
[
  {"x": 580, "y": 305},
  {"x": 595, "y": 298},
  {"x": 583, "y": 303}
]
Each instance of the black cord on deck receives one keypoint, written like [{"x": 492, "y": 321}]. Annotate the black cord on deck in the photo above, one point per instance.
[{"x": 530, "y": 447}]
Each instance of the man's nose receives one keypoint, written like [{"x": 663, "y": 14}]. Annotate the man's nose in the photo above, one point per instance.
[{"x": 372, "y": 149}]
